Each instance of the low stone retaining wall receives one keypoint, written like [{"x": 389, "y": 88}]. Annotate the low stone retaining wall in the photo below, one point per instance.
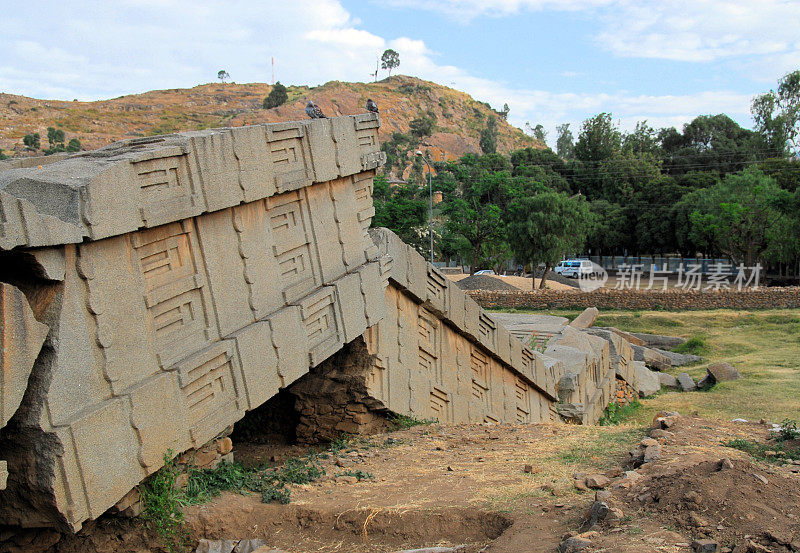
[{"x": 673, "y": 299}]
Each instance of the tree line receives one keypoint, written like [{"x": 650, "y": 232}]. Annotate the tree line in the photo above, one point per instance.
[{"x": 712, "y": 188}]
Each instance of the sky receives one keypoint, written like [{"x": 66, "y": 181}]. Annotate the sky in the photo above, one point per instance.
[{"x": 552, "y": 61}]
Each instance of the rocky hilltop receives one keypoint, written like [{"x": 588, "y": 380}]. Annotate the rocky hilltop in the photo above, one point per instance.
[{"x": 458, "y": 117}]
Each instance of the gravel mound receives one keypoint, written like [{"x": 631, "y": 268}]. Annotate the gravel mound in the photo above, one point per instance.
[
  {"x": 484, "y": 282},
  {"x": 551, "y": 276}
]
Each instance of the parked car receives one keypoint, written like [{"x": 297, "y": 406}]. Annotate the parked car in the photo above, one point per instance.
[
  {"x": 484, "y": 272},
  {"x": 574, "y": 268}
]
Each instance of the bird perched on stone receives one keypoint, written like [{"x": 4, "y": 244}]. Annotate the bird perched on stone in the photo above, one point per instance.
[
  {"x": 372, "y": 106},
  {"x": 313, "y": 111}
]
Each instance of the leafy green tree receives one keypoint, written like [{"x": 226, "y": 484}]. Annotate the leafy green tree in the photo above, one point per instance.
[
  {"x": 785, "y": 172},
  {"x": 709, "y": 143},
  {"x": 32, "y": 141},
  {"x": 506, "y": 110},
  {"x": 544, "y": 227},
  {"x": 777, "y": 113},
  {"x": 276, "y": 97},
  {"x": 643, "y": 140},
  {"x": 688, "y": 240},
  {"x": 74, "y": 145},
  {"x": 539, "y": 133},
  {"x": 222, "y": 75},
  {"x": 609, "y": 229},
  {"x": 488, "y": 138},
  {"x": 599, "y": 139},
  {"x": 55, "y": 137},
  {"x": 475, "y": 194},
  {"x": 565, "y": 145},
  {"x": 402, "y": 209},
  {"x": 397, "y": 148},
  {"x": 736, "y": 215},
  {"x": 655, "y": 224},
  {"x": 389, "y": 60}
]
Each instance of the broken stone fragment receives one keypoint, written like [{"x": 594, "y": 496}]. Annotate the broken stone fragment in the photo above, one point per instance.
[
  {"x": 722, "y": 372},
  {"x": 686, "y": 382},
  {"x": 704, "y": 546},
  {"x": 3, "y": 474},
  {"x": 573, "y": 545},
  {"x": 597, "y": 513},
  {"x": 597, "y": 481},
  {"x": 724, "y": 463}
]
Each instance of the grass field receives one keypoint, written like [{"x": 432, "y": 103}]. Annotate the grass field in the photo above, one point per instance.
[{"x": 764, "y": 345}]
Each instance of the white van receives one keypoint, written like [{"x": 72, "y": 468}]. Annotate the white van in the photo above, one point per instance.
[{"x": 574, "y": 268}]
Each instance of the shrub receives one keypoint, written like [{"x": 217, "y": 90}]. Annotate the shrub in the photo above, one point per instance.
[{"x": 276, "y": 97}]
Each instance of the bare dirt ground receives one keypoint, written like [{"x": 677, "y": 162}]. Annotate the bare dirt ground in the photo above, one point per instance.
[{"x": 441, "y": 485}]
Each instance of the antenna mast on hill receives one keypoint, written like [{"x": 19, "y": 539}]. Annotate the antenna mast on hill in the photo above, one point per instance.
[{"x": 273, "y": 70}]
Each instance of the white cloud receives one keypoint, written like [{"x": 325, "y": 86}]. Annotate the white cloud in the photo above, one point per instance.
[{"x": 101, "y": 50}]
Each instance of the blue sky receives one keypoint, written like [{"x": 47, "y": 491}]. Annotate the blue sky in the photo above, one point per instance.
[{"x": 552, "y": 61}]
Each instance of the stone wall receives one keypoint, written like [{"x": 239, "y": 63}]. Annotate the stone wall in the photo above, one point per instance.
[
  {"x": 179, "y": 281},
  {"x": 673, "y": 299}
]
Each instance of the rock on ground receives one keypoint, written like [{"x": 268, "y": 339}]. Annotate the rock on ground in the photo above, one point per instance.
[
  {"x": 651, "y": 358},
  {"x": 678, "y": 359},
  {"x": 647, "y": 379},
  {"x": 574, "y": 544},
  {"x": 659, "y": 341},
  {"x": 668, "y": 381},
  {"x": 722, "y": 372},
  {"x": 686, "y": 382}
]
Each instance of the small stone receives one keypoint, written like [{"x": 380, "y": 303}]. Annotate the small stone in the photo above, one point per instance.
[
  {"x": 761, "y": 478},
  {"x": 647, "y": 442},
  {"x": 346, "y": 479},
  {"x": 704, "y": 546},
  {"x": 602, "y": 495},
  {"x": 597, "y": 513},
  {"x": 770, "y": 453},
  {"x": 580, "y": 484},
  {"x": 530, "y": 469},
  {"x": 449, "y": 468},
  {"x": 224, "y": 446},
  {"x": 724, "y": 464},
  {"x": 659, "y": 434},
  {"x": 614, "y": 517},
  {"x": 616, "y": 472},
  {"x": 652, "y": 453},
  {"x": 573, "y": 545},
  {"x": 692, "y": 496},
  {"x": 697, "y": 520},
  {"x": 597, "y": 481}
]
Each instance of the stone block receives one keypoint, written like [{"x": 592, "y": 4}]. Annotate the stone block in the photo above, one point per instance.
[
  {"x": 686, "y": 382},
  {"x": 259, "y": 361},
  {"x": 351, "y": 236},
  {"x": 417, "y": 284},
  {"x": 158, "y": 413},
  {"x": 348, "y": 152},
  {"x": 351, "y": 306},
  {"x": 217, "y": 167},
  {"x": 722, "y": 372},
  {"x": 436, "y": 292},
  {"x": 51, "y": 262},
  {"x": 21, "y": 339},
  {"x": 328, "y": 249},
  {"x": 647, "y": 380},
  {"x": 253, "y": 157},
  {"x": 291, "y": 344},
  {"x": 586, "y": 319},
  {"x": 322, "y": 149},
  {"x": 322, "y": 323},
  {"x": 219, "y": 250},
  {"x": 372, "y": 290},
  {"x": 107, "y": 453},
  {"x": 651, "y": 358},
  {"x": 288, "y": 149},
  {"x": 668, "y": 381},
  {"x": 3, "y": 475}
]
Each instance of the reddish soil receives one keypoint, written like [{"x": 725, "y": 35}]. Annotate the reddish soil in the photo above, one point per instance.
[{"x": 465, "y": 485}]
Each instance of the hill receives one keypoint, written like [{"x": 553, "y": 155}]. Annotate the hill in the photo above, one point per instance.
[{"x": 459, "y": 118}]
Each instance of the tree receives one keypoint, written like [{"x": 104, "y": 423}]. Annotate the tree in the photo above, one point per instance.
[
  {"x": 736, "y": 215},
  {"x": 222, "y": 75},
  {"x": 276, "y": 97},
  {"x": 55, "y": 137},
  {"x": 544, "y": 227},
  {"x": 655, "y": 224},
  {"x": 565, "y": 146},
  {"x": 475, "y": 196},
  {"x": 643, "y": 140},
  {"x": 389, "y": 60},
  {"x": 609, "y": 226},
  {"x": 777, "y": 113},
  {"x": 506, "y": 110},
  {"x": 540, "y": 134},
  {"x": 488, "y": 138},
  {"x": 403, "y": 209},
  {"x": 599, "y": 139},
  {"x": 32, "y": 141}
]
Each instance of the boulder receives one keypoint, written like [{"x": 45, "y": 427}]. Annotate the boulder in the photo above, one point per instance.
[
  {"x": 585, "y": 319},
  {"x": 633, "y": 340},
  {"x": 651, "y": 358},
  {"x": 573, "y": 545},
  {"x": 722, "y": 372},
  {"x": 647, "y": 379},
  {"x": 659, "y": 341},
  {"x": 678, "y": 359},
  {"x": 597, "y": 481},
  {"x": 668, "y": 381},
  {"x": 705, "y": 546},
  {"x": 686, "y": 382}
]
